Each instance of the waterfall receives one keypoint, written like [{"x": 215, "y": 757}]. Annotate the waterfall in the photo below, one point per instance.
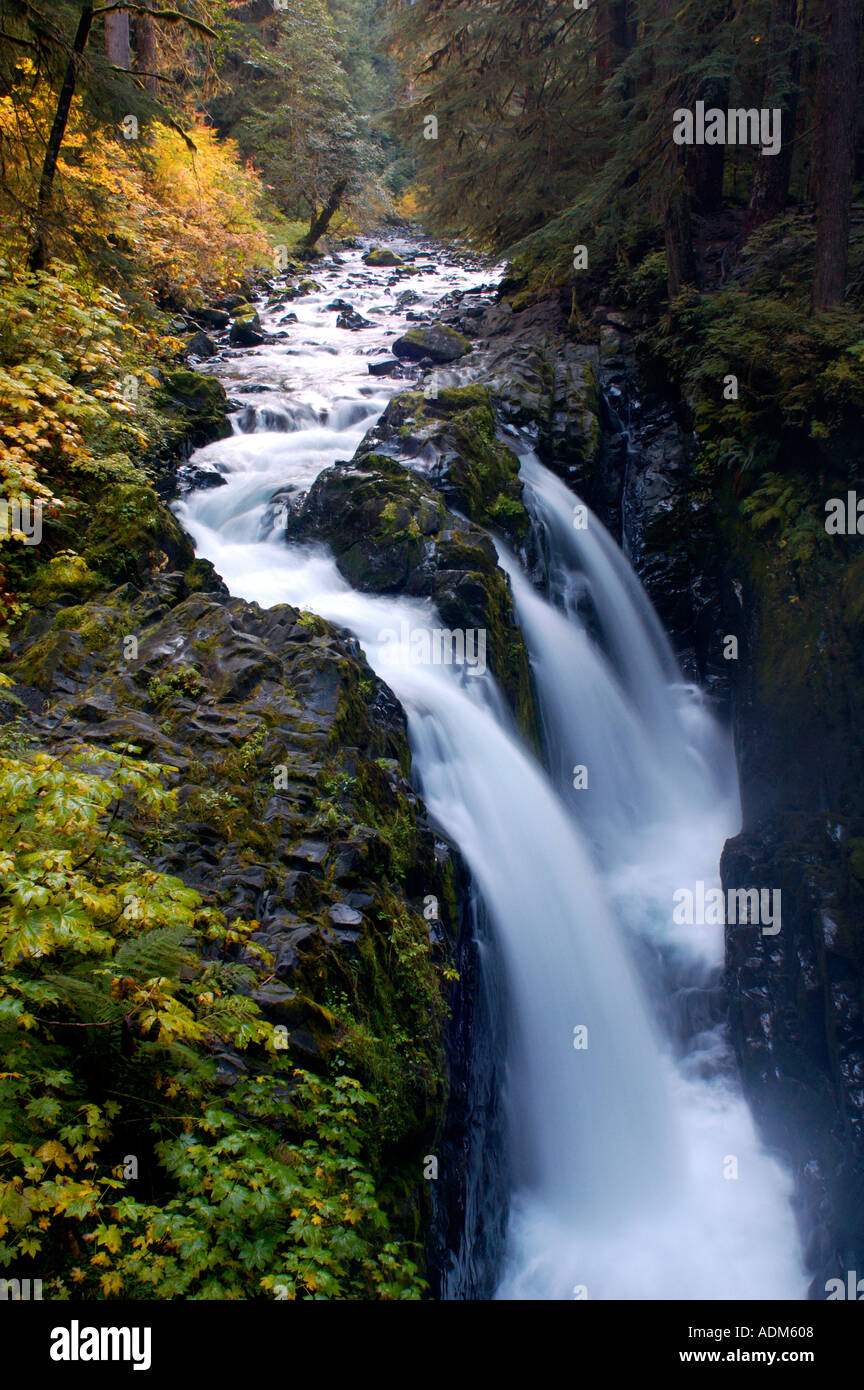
[{"x": 619, "y": 1144}]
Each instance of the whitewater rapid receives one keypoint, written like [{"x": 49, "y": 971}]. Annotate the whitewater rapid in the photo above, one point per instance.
[{"x": 621, "y": 1150}]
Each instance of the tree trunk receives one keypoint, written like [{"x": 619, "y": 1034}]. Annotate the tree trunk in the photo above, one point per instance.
[
  {"x": 617, "y": 37},
  {"x": 323, "y": 219},
  {"x": 117, "y": 38},
  {"x": 678, "y": 225},
  {"x": 36, "y": 259},
  {"x": 145, "y": 50},
  {"x": 678, "y": 230},
  {"x": 835, "y": 149},
  {"x": 769, "y": 192},
  {"x": 705, "y": 163}
]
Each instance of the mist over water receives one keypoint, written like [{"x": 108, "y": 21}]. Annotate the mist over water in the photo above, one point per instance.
[{"x": 618, "y": 1149}]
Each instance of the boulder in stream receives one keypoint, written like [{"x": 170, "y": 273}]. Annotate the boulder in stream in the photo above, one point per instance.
[
  {"x": 437, "y": 342},
  {"x": 201, "y": 345},
  {"x": 246, "y": 331},
  {"x": 382, "y": 256}
]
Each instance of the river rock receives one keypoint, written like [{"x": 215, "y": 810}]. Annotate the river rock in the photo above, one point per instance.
[
  {"x": 209, "y": 317},
  {"x": 302, "y": 289},
  {"x": 437, "y": 342},
  {"x": 354, "y": 321},
  {"x": 382, "y": 256},
  {"x": 389, "y": 367},
  {"x": 246, "y": 331},
  {"x": 196, "y": 407},
  {"x": 201, "y": 345}
]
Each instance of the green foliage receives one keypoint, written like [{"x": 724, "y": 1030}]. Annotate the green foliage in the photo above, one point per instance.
[
  {"x": 789, "y": 505},
  {"x": 800, "y": 381},
  {"x": 288, "y": 102},
  {"x": 180, "y": 682},
  {"x": 115, "y": 993}
]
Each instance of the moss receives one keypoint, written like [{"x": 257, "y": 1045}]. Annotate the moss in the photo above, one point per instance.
[
  {"x": 65, "y": 573},
  {"x": 482, "y": 478},
  {"x": 194, "y": 409},
  {"x": 419, "y": 338},
  {"x": 77, "y": 634},
  {"x": 508, "y": 657},
  {"x": 390, "y": 1007},
  {"x": 180, "y": 682},
  {"x": 381, "y": 256},
  {"x": 131, "y": 534},
  {"x": 855, "y": 848}
]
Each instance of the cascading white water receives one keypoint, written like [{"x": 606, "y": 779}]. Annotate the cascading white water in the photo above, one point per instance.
[{"x": 618, "y": 1152}]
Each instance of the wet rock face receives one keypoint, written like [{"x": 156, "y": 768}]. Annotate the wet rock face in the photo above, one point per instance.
[
  {"x": 796, "y": 1009},
  {"x": 796, "y": 1016},
  {"x": 195, "y": 409},
  {"x": 392, "y": 533},
  {"x": 593, "y": 421},
  {"x": 291, "y": 762}
]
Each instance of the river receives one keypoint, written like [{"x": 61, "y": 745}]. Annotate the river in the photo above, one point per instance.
[{"x": 635, "y": 1171}]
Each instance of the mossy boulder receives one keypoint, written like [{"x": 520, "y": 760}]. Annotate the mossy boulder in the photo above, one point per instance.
[
  {"x": 194, "y": 408},
  {"x": 437, "y": 342},
  {"x": 246, "y": 331},
  {"x": 382, "y": 256},
  {"x": 392, "y": 533},
  {"x": 453, "y": 437},
  {"x": 131, "y": 535}
]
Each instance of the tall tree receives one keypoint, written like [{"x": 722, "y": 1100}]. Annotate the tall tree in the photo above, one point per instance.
[
  {"x": 117, "y": 47},
  {"x": 835, "y": 148},
  {"x": 55, "y": 139},
  {"x": 677, "y": 222},
  {"x": 286, "y": 100},
  {"x": 769, "y": 192},
  {"x": 145, "y": 51},
  {"x": 75, "y": 62}
]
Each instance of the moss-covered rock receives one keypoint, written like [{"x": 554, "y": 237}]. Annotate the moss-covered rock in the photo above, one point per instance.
[
  {"x": 437, "y": 342},
  {"x": 246, "y": 331},
  {"x": 453, "y": 437},
  {"x": 382, "y": 256},
  {"x": 392, "y": 533},
  {"x": 195, "y": 409},
  {"x": 131, "y": 534},
  {"x": 290, "y": 761}
]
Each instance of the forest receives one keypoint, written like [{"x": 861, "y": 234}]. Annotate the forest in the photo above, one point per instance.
[{"x": 297, "y": 937}]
